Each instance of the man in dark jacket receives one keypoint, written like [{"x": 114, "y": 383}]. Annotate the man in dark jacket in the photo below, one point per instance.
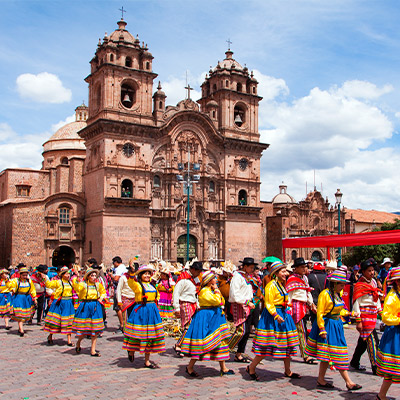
[{"x": 316, "y": 280}]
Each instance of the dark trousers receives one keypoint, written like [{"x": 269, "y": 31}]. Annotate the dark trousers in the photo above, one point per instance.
[
  {"x": 40, "y": 306},
  {"x": 243, "y": 341},
  {"x": 371, "y": 344}
]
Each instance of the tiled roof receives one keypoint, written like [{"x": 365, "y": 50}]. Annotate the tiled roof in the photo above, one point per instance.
[{"x": 371, "y": 216}]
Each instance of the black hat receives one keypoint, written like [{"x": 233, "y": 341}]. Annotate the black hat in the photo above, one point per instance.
[
  {"x": 248, "y": 261},
  {"x": 92, "y": 261},
  {"x": 95, "y": 266},
  {"x": 117, "y": 259},
  {"x": 42, "y": 268},
  {"x": 21, "y": 265},
  {"x": 298, "y": 262},
  {"x": 367, "y": 263},
  {"x": 197, "y": 265}
]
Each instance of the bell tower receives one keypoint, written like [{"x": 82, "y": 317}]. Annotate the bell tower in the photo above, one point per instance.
[
  {"x": 121, "y": 79},
  {"x": 229, "y": 96}
]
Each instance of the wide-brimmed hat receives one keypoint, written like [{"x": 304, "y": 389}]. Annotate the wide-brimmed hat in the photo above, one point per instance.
[
  {"x": 42, "y": 268},
  {"x": 63, "y": 270},
  {"x": 331, "y": 264},
  {"x": 298, "y": 262},
  {"x": 207, "y": 276},
  {"x": 394, "y": 274},
  {"x": 338, "y": 276},
  {"x": 275, "y": 267},
  {"x": 90, "y": 271},
  {"x": 23, "y": 270},
  {"x": 4, "y": 271},
  {"x": 386, "y": 260},
  {"x": 144, "y": 268},
  {"x": 248, "y": 261},
  {"x": 197, "y": 265}
]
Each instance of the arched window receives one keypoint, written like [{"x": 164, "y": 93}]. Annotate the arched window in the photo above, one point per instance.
[
  {"x": 239, "y": 87},
  {"x": 64, "y": 161},
  {"x": 211, "y": 187},
  {"x": 126, "y": 188},
  {"x": 213, "y": 114},
  {"x": 64, "y": 215},
  {"x": 111, "y": 57},
  {"x": 147, "y": 65},
  {"x": 160, "y": 105},
  {"x": 97, "y": 97},
  {"x": 239, "y": 115},
  {"x": 242, "y": 198},
  {"x": 254, "y": 89},
  {"x": 128, "y": 62},
  {"x": 294, "y": 254},
  {"x": 226, "y": 83},
  {"x": 156, "y": 181},
  {"x": 128, "y": 95},
  {"x": 316, "y": 256}
]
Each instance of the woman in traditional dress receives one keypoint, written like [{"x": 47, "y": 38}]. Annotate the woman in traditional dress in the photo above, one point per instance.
[
  {"x": 124, "y": 294},
  {"x": 144, "y": 331},
  {"x": 388, "y": 357},
  {"x": 367, "y": 304},
  {"x": 5, "y": 298},
  {"x": 326, "y": 341},
  {"x": 60, "y": 317},
  {"x": 23, "y": 298},
  {"x": 276, "y": 334},
  {"x": 208, "y": 330},
  {"x": 89, "y": 315},
  {"x": 165, "y": 287}
]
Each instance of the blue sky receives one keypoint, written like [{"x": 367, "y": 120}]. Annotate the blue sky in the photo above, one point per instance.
[{"x": 328, "y": 72}]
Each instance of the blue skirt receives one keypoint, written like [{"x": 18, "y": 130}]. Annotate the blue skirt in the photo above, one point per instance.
[
  {"x": 333, "y": 349},
  {"x": 22, "y": 307},
  {"x": 206, "y": 338},
  {"x": 144, "y": 330},
  {"x": 274, "y": 339},
  {"x": 388, "y": 356},
  {"x": 88, "y": 318},
  {"x": 5, "y": 304},
  {"x": 60, "y": 317}
]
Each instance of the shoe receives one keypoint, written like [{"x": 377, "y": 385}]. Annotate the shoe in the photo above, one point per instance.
[
  {"x": 309, "y": 360},
  {"x": 293, "y": 375},
  {"x": 21, "y": 333},
  {"x": 131, "y": 357},
  {"x": 244, "y": 360},
  {"x": 374, "y": 370},
  {"x": 229, "y": 372},
  {"x": 70, "y": 344},
  {"x": 78, "y": 350},
  {"x": 121, "y": 329},
  {"x": 151, "y": 366},
  {"x": 326, "y": 385},
  {"x": 354, "y": 387},
  {"x": 95, "y": 354},
  {"x": 7, "y": 328},
  {"x": 193, "y": 374},
  {"x": 358, "y": 367},
  {"x": 253, "y": 377},
  {"x": 178, "y": 352}
]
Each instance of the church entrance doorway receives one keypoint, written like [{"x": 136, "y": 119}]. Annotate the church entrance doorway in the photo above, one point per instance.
[
  {"x": 181, "y": 248},
  {"x": 316, "y": 256},
  {"x": 63, "y": 255}
]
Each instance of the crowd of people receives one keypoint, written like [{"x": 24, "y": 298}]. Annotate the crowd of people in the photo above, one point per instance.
[{"x": 219, "y": 305}]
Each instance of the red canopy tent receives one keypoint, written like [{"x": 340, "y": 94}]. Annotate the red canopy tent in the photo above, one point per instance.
[{"x": 349, "y": 240}]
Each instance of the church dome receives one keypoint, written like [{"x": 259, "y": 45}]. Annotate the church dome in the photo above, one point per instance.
[
  {"x": 283, "y": 197},
  {"x": 122, "y": 35},
  {"x": 229, "y": 62}
]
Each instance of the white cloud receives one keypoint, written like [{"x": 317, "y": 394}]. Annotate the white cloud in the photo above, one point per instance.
[
  {"x": 363, "y": 90},
  {"x": 43, "y": 88},
  {"x": 58, "y": 125}
]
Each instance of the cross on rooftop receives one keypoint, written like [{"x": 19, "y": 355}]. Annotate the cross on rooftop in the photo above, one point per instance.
[
  {"x": 188, "y": 88},
  {"x": 229, "y": 43},
  {"x": 122, "y": 11}
]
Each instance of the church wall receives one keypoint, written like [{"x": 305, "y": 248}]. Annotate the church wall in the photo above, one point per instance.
[
  {"x": 75, "y": 181},
  {"x": 62, "y": 179},
  {"x": 6, "y": 231}
]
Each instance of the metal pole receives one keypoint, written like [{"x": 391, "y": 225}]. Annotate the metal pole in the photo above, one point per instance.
[
  {"x": 339, "y": 263},
  {"x": 188, "y": 207}
]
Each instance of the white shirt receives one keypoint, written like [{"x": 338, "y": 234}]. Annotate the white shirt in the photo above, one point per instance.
[
  {"x": 123, "y": 289},
  {"x": 240, "y": 291},
  {"x": 366, "y": 301},
  {"x": 301, "y": 295},
  {"x": 184, "y": 290},
  {"x": 120, "y": 270}
]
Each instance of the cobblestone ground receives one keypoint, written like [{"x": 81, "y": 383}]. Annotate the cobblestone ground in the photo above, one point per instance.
[{"x": 30, "y": 369}]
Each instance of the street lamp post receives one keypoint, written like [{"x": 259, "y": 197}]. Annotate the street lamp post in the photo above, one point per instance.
[
  {"x": 187, "y": 180},
  {"x": 338, "y": 196}
]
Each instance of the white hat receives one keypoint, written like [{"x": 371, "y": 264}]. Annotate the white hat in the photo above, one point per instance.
[
  {"x": 387, "y": 260},
  {"x": 330, "y": 264}
]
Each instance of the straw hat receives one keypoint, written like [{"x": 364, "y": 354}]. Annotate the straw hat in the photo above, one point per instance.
[
  {"x": 394, "y": 274},
  {"x": 63, "y": 270},
  {"x": 144, "y": 268},
  {"x": 331, "y": 265},
  {"x": 23, "y": 270},
  {"x": 90, "y": 271},
  {"x": 4, "y": 271}
]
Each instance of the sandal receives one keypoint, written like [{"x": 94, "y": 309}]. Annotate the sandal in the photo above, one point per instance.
[
  {"x": 253, "y": 377},
  {"x": 309, "y": 360},
  {"x": 78, "y": 350},
  {"x": 151, "y": 366},
  {"x": 354, "y": 387},
  {"x": 50, "y": 340},
  {"x": 21, "y": 333},
  {"x": 293, "y": 375},
  {"x": 8, "y": 328},
  {"x": 70, "y": 344},
  {"x": 192, "y": 374},
  {"x": 131, "y": 357},
  {"x": 229, "y": 372},
  {"x": 96, "y": 354},
  {"x": 326, "y": 385},
  {"x": 178, "y": 352},
  {"x": 244, "y": 360}
]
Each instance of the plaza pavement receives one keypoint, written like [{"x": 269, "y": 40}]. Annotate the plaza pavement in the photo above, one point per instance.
[{"x": 30, "y": 369}]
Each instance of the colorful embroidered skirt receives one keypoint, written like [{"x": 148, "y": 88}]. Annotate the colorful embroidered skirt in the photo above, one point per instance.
[
  {"x": 206, "y": 338},
  {"x": 144, "y": 330},
  {"x": 5, "y": 304},
  {"x": 60, "y": 316},
  {"x": 368, "y": 320},
  {"x": 240, "y": 313},
  {"x": 165, "y": 305},
  {"x": 22, "y": 307},
  {"x": 187, "y": 311},
  {"x": 88, "y": 318},
  {"x": 333, "y": 348},
  {"x": 388, "y": 357},
  {"x": 274, "y": 339}
]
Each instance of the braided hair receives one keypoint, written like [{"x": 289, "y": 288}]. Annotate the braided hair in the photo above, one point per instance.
[{"x": 144, "y": 297}]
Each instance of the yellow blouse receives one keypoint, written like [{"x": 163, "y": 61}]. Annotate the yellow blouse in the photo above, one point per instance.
[
  {"x": 325, "y": 306},
  {"x": 87, "y": 291},
  {"x": 207, "y": 298},
  {"x": 24, "y": 287},
  {"x": 57, "y": 286},
  {"x": 391, "y": 309},
  {"x": 3, "y": 287},
  {"x": 151, "y": 292},
  {"x": 275, "y": 295}
]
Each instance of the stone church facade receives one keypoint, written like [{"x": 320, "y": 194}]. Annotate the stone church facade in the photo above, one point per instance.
[{"x": 111, "y": 182}]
